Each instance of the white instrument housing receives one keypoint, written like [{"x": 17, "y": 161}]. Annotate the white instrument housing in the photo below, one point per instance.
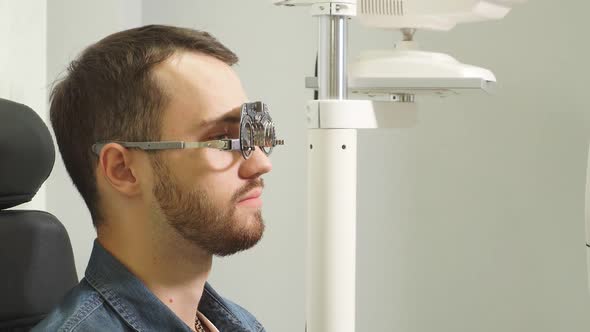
[{"x": 419, "y": 14}]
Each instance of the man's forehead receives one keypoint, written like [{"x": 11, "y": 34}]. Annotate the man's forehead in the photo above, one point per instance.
[{"x": 202, "y": 90}]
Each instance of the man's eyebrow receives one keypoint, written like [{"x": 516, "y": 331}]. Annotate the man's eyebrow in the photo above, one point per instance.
[{"x": 231, "y": 118}]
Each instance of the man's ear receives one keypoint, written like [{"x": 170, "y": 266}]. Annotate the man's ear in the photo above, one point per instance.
[{"x": 118, "y": 167}]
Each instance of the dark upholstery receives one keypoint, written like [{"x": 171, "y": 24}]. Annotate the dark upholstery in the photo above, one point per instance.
[
  {"x": 36, "y": 259},
  {"x": 26, "y": 152}
]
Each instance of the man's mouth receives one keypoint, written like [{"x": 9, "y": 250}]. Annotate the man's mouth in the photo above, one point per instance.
[{"x": 252, "y": 198}]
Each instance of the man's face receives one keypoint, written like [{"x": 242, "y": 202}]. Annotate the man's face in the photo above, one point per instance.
[{"x": 202, "y": 192}]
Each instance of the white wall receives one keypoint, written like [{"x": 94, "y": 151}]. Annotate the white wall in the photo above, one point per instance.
[
  {"x": 471, "y": 221},
  {"x": 479, "y": 226}
]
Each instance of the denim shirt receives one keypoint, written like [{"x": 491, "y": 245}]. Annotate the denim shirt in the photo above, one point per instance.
[{"x": 110, "y": 298}]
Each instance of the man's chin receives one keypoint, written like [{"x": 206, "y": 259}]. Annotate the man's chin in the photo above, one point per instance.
[
  {"x": 240, "y": 243},
  {"x": 252, "y": 228},
  {"x": 245, "y": 236},
  {"x": 247, "y": 218}
]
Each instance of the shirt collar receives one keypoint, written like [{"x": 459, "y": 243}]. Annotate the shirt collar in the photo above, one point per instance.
[{"x": 138, "y": 306}]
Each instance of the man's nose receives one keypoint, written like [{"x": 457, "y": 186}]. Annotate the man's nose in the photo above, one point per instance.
[{"x": 255, "y": 166}]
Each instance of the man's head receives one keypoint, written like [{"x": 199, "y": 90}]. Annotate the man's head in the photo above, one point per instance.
[{"x": 159, "y": 83}]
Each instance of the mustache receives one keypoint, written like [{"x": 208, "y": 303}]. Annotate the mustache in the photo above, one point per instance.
[{"x": 259, "y": 183}]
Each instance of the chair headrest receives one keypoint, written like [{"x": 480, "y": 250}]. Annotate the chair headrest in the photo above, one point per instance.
[{"x": 26, "y": 153}]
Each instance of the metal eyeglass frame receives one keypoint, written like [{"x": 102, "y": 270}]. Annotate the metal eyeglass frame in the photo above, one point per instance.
[{"x": 256, "y": 129}]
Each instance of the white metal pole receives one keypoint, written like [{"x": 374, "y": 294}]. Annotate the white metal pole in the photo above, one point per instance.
[
  {"x": 331, "y": 254},
  {"x": 332, "y": 54},
  {"x": 332, "y": 158}
]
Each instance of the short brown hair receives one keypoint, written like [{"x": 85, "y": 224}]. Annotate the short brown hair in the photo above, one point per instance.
[{"x": 109, "y": 93}]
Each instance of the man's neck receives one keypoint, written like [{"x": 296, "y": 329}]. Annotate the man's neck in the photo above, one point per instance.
[{"x": 170, "y": 267}]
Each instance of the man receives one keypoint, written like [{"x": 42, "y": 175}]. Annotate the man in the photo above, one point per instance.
[{"x": 160, "y": 215}]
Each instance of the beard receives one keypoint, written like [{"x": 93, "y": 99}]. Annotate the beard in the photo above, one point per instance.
[{"x": 194, "y": 215}]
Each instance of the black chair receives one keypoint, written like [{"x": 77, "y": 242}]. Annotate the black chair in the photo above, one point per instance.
[{"x": 36, "y": 259}]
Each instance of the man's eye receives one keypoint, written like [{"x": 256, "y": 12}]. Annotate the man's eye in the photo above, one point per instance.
[{"x": 220, "y": 136}]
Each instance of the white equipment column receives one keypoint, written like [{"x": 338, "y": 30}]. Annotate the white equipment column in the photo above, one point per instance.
[
  {"x": 332, "y": 158},
  {"x": 391, "y": 78},
  {"x": 587, "y": 205}
]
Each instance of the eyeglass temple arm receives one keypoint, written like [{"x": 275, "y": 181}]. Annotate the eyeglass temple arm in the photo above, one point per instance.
[
  {"x": 223, "y": 144},
  {"x": 217, "y": 144}
]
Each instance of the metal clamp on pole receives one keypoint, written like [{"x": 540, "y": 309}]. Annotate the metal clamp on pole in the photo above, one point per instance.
[
  {"x": 334, "y": 9},
  {"x": 333, "y": 48}
]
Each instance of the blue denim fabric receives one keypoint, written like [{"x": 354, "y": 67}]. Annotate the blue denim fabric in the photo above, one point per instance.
[{"x": 110, "y": 298}]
